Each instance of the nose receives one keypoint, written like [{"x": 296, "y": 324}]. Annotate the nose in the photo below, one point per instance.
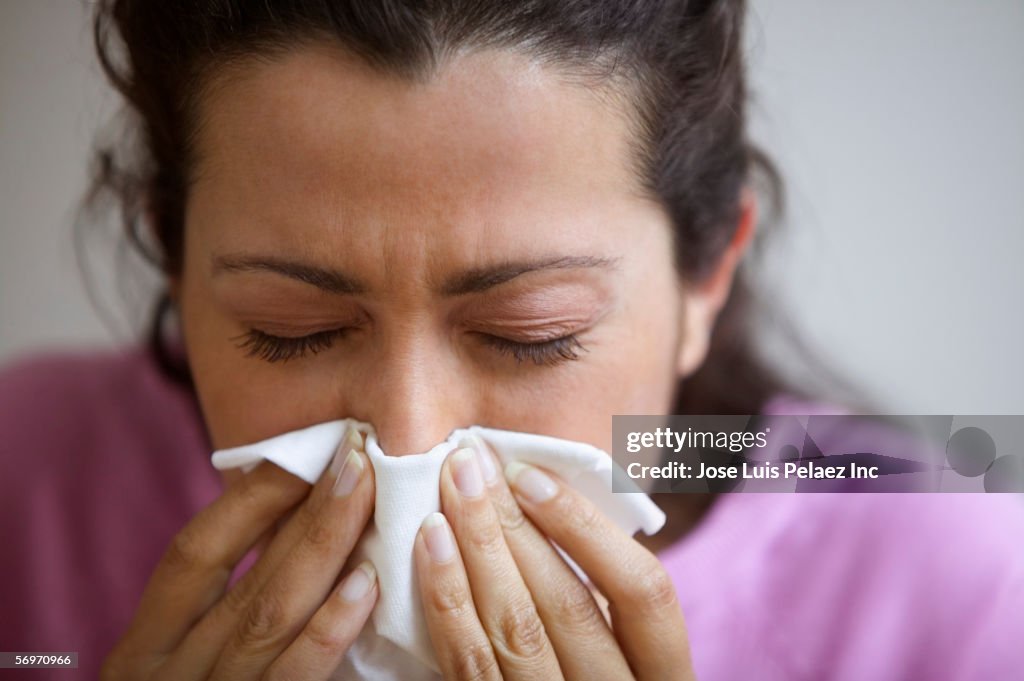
[{"x": 414, "y": 399}]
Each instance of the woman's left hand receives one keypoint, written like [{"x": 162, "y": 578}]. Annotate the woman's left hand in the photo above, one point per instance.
[{"x": 500, "y": 602}]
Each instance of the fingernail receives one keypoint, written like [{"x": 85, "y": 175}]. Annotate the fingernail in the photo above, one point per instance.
[
  {"x": 336, "y": 462},
  {"x": 438, "y": 538},
  {"x": 535, "y": 486},
  {"x": 487, "y": 468},
  {"x": 466, "y": 472},
  {"x": 352, "y": 439},
  {"x": 348, "y": 478},
  {"x": 358, "y": 584}
]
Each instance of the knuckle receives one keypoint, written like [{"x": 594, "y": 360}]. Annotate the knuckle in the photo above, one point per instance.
[
  {"x": 237, "y": 598},
  {"x": 319, "y": 534},
  {"x": 520, "y": 633},
  {"x": 575, "y": 607},
  {"x": 264, "y": 621},
  {"x": 186, "y": 552},
  {"x": 474, "y": 662},
  {"x": 448, "y": 599},
  {"x": 325, "y": 640},
  {"x": 653, "y": 589},
  {"x": 483, "y": 535},
  {"x": 510, "y": 515}
]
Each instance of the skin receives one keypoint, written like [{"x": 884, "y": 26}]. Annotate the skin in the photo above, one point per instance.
[{"x": 493, "y": 199}]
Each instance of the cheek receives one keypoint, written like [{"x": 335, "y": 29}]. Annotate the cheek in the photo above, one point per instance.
[
  {"x": 640, "y": 371},
  {"x": 245, "y": 400},
  {"x": 640, "y": 379}
]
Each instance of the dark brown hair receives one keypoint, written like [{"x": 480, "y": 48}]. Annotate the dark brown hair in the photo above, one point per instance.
[{"x": 680, "y": 62}]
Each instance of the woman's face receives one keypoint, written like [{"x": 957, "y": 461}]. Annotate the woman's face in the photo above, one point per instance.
[{"x": 473, "y": 249}]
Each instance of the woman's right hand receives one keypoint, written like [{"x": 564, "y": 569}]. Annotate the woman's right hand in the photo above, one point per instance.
[{"x": 287, "y": 617}]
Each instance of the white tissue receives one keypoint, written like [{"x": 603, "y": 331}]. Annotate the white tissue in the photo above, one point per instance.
[{"x": 396, "y": 644}]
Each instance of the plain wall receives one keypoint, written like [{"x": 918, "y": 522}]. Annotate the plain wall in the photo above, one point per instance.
[{"x": 898, "y": 128}]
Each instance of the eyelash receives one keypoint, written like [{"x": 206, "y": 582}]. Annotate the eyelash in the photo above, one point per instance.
[
  {"x": 280, "y": 349},
  {"x": 270, "y": 348},
  {"x": 544, "y": 353}
]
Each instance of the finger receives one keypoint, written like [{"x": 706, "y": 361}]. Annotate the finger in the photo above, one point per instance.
[
  {"x": 288, "y": 531},
  {"x": 504, "y": 604},
  {"x": 579, "y": 633},
  {"x": 463, "y": 650},
  {"x": 646, "y": 617},
  {"x": 322, "y": 644},
  {"x": 198, "y": 653},
  {"x": 306, "y": 574},
  {"x": 196, "y": 566}
]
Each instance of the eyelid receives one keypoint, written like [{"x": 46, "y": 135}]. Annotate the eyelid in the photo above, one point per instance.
[
  {"x": 292, "y": 333},
  {"x": 533, "y": 329},
  {"x": 302, "y": 327},
  {"x": 527, "y": 335},
  {"x": 287, "y": 314}
]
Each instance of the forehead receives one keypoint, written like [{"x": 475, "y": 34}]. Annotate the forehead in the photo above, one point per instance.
[{"x": 316, "y": 136}]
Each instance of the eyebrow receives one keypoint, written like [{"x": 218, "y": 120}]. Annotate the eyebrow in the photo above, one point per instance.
[{"x": 471, "y": 281}]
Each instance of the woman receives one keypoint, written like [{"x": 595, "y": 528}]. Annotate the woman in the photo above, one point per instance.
[{"x": 428, "y": 215}]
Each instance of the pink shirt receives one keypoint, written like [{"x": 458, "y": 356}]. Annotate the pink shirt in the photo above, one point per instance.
[{"x": 103, "y": 460}]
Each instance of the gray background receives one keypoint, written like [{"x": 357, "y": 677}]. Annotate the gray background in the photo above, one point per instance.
[{"x": 898, "y": 127}]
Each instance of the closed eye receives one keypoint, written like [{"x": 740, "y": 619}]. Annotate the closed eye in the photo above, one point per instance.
[
  {"x": 271, "y": 348},
  {"x": 543, "y": 353}
]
